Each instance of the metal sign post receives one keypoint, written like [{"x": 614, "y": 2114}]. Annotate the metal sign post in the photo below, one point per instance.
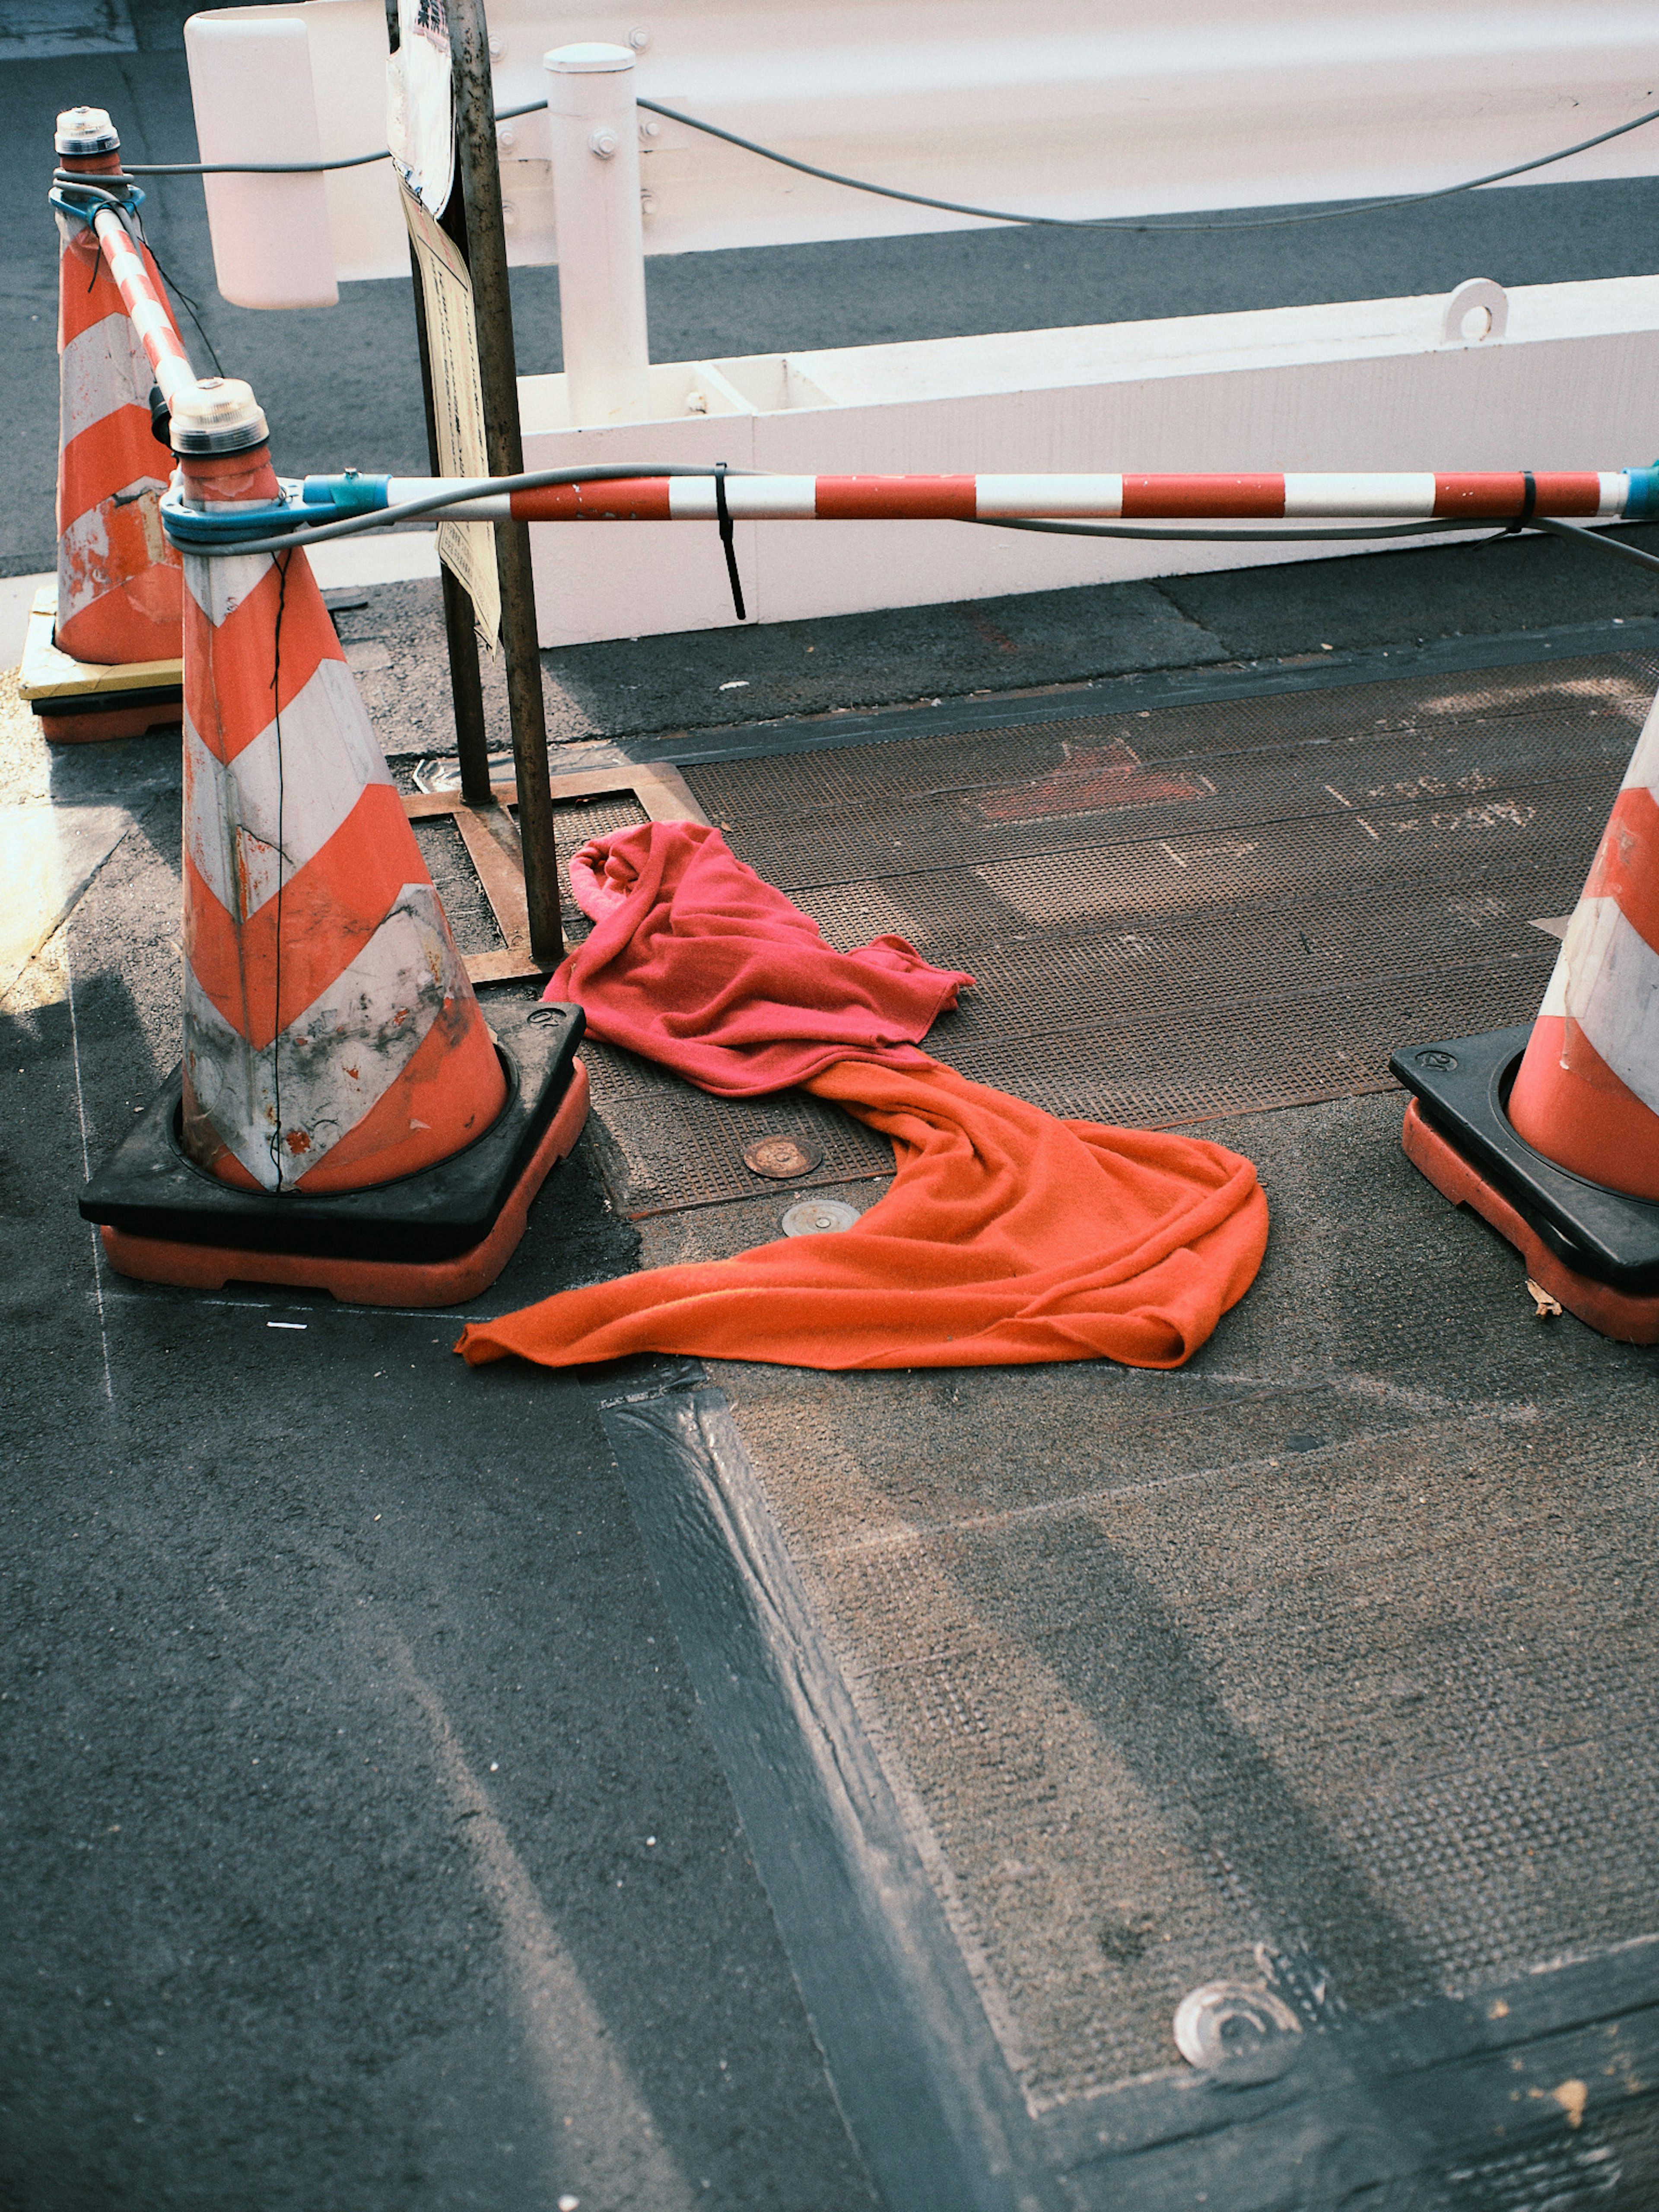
[
  {"x": 480, "y": 179},
  {"x": 466, "y": 690}
]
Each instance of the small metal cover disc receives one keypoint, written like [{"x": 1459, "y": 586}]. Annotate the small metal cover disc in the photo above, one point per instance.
[
  {"x": 1238, "y": 2026},
  {"x": 813, "y": 1217},
  {"x": 784, "y": 1158}
]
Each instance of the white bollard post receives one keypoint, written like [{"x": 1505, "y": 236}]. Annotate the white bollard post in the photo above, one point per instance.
[{"x": 593, "y": 127}]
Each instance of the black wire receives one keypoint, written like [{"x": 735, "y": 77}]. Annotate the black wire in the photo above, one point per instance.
[
  {"x": 914, "y": 199},
  {"x": 727, "y": 540},
  {"x": 282, "y": 568},
  {"x": 136, "y": 231},
  {"x": 173, "y": 285}
]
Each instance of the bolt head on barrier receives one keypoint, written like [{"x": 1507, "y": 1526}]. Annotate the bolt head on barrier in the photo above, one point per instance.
[
  {"x": 219, "y": 415},
  {"x": 86, "y": 130}
]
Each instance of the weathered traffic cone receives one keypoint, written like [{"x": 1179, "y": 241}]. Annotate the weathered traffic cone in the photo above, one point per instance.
[
  {"x": 1586, "y": 1095},
  {"x": 1551, "y": 1131},
  {"x": 339, "y": 1086},
  {"x": 120, "y": 588},
  {"x": 331, "y": 1037}
]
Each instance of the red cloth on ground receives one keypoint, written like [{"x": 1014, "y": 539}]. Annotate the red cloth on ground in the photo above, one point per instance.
[
  {"x": 694, "y": 962},
  {"x": 1006, "y": 1236}
]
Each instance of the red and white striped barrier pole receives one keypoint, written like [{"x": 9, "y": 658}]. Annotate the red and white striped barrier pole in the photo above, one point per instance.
[
  {"x": 1489, "y": 496},
  {"x": 147, "y": 308}
]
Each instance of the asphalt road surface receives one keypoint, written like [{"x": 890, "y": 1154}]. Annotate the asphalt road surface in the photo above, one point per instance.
[{"x": 360, "y": 1844}]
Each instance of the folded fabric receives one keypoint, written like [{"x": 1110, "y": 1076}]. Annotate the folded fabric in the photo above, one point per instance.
[
  {"x": 1007, "y": 1236},
  {"x": 694, "y": 962}
]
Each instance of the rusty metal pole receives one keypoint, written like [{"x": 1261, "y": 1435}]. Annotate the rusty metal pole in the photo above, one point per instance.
[
  {"x": 466, "y": 688},
  {"x": 486, "y": 238}
]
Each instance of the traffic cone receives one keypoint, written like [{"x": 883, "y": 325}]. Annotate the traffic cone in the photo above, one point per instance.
[
  {"x": 1587, "y": 1091},
  {"x": 1551, "y": 1131},
  {"x": 333, "y": 1047},
  {"x": 120, "y": 588}
]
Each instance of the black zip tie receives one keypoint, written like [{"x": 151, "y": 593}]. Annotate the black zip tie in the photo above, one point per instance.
[
  {"x": 1529, "y": 506},
  {"x": 724, "y": 514}
]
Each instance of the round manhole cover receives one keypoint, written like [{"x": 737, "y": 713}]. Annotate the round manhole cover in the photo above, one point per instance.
[
  {"x": 784, "y": 1158},
  {"x": 815, "y": 1217}
]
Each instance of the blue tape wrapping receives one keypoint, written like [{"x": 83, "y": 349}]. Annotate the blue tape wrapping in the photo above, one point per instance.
[
  {"x": 350, "y": 494},
  {"x": 82, "y": 210},
  {"x": 1642, "y": 500}
]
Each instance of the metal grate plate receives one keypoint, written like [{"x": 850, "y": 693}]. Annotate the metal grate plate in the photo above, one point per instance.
[
  {"x": 1207, "y": 910},
  {"x": 1172, "y": 914}
]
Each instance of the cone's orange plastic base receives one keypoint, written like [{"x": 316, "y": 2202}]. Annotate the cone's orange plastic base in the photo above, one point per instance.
[
  {"x": 365, "y": 1282},
  {"x": 98, "y": 727},
  {"x": 1612, "y": 1313}
]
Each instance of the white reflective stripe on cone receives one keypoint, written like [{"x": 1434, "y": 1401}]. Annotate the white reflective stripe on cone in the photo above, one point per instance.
[
  {"x": 219, "y": 586},
  {"x": 83, "y": 547},
  {"x": 104, "y": 368},
  {"x": 1615, "y": 491},
  {"x": 1606, "y": 978},
  {"x": 334, "y": 1062},
  {"x": 1643, "y": 774},
  {"x": 231, "y": 813}
]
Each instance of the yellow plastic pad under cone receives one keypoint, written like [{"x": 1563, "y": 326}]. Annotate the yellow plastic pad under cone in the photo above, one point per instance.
[{"x": 47, "y": 673}]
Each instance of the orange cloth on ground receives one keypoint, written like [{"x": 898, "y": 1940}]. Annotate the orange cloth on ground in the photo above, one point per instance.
[{"x": 1005, "y": 1236}]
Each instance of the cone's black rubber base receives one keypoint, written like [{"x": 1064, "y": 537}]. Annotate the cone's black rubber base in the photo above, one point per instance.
[
  {"x": 1462, "y": 1088},
  {"x": 95, "y": 719},
  {"x": 149, "y": 1189}
]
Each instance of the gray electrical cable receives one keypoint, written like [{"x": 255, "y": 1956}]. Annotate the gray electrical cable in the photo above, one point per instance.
[
  {"x": 454, "y": 493},
  {"x": 890, "y": 193},
  {"x": 1369, "y": 530},
  {"x": 536, "y": 479},
  {"x": 1575, "y": 532},
  {"x": 618, "y": 472},
  {"x": 1136, "y": 223}
]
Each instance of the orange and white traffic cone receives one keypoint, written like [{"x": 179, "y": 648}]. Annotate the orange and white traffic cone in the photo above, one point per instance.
[
  {"x": 333, "y": 1045},
  {"x": 1552, "y": 1134},
  {"x": 120, "y": 586},
  {"x": 1586, "y": 1095},
  {"x": 331, "y": 1037}
]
